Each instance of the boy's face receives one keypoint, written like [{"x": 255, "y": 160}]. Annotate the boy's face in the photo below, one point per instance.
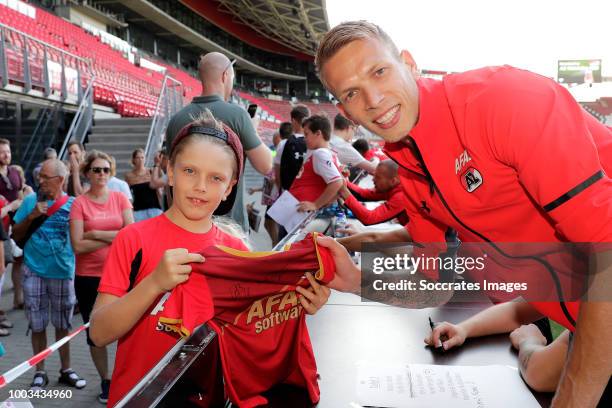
[
  {"x": 313, "y": 139},
  {"x": 201, "y": 177}
]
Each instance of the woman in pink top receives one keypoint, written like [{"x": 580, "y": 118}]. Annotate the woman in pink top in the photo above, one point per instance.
[{"x": 95, "y": 218}]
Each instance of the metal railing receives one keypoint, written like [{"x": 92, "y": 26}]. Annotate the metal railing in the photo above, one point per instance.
[
  {"x": 82, "y": 122},
  {"x": 37, "y": 65},
  {"x": 169, "y": 102},
  {"x": 158, "y": 382},
  {"x": 41, "y": 125},
  {"x": 295, "y": 232}
]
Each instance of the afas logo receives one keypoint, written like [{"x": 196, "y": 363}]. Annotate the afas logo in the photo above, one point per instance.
[
  {"x": 463, "y": 159},
  {"x": 471, "y": 179}
]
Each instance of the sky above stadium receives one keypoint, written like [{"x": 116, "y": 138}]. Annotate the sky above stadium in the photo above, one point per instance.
[{"x": 456, "y": 35}]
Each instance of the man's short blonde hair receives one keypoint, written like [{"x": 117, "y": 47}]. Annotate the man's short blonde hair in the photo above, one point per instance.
[{"x": 343, "y": 34}]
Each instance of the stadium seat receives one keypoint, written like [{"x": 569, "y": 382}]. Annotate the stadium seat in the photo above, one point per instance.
[{"x": 119, "y": 84}]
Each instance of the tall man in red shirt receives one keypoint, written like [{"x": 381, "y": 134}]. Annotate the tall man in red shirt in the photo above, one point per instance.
[
  {"x": 498, "y": 154},
  {"x": 387, "y": 188}
]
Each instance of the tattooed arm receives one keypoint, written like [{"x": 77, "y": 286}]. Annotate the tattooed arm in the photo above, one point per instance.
[
  {"x": 402, "y": 290},
  {"x": 348, "y": 278}
]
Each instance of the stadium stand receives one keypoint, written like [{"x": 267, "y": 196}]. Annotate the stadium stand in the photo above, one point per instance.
[
  {"x": 281, "y": 109},
  {"x": 323, "y": 108},
  {"x": 129, "y": 89}
]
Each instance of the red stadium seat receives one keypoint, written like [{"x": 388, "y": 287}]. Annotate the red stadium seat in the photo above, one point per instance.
[{"x": 115, "y": 75}]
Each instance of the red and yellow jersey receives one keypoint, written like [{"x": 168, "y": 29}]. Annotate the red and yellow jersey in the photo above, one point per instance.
[
  {"x": 134, "y": 254},
  {"x": 504, "y": 155},
  {"x": 260, "y": 323}
]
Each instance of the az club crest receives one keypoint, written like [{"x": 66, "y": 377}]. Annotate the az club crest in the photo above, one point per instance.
[{"x": 471, "y": 179}]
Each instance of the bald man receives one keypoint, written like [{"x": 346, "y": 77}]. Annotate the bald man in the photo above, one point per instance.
[{"x": 216, "y": 73}]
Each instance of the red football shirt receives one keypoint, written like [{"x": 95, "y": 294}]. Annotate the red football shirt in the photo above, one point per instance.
[
  {"x": 261, "y": 325},
  {"x": 375, "y": 153},
  {"x": 6, "y": 221},
  {"x": 139, "y": 247},
  {"x": 319, "y": 169}
]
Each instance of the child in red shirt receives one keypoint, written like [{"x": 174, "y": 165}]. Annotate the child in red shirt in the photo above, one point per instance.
[
  {"x": 148, "y": 259},
  {"x": 318, "y": 182}
]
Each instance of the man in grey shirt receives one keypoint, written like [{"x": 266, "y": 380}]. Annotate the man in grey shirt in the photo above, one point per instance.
[{"x": 216, "y": 73}]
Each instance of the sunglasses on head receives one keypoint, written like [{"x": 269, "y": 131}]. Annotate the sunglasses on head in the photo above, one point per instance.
[
  {"x": 232, "y": 62},
  {"x": 99, "y": 170}
]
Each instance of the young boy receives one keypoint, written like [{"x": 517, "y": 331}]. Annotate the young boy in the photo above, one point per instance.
[
  {"x": 318, "y": 182},
  {"x": 149, "y": 258}
]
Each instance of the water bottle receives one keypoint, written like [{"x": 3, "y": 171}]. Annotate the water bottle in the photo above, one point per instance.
[{"x": 341, "y": 223}]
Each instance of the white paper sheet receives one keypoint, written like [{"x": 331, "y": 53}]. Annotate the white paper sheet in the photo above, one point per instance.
[
  {"x": 423, "y": 385},
  {"x": 284, "y": 211}
]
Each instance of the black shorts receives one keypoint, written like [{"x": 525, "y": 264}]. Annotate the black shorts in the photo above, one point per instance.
[{"x": 86, "y": 288}]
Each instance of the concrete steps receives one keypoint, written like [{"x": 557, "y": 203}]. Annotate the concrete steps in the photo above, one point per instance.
[{"x": 119, "y": 137}]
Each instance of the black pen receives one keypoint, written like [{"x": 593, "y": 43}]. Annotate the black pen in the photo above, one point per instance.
[{"x": 432, "y": 325}]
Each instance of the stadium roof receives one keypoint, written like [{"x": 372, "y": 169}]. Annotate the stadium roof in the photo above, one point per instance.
[
  {"x": 285, "y": 27},
  {"x": 296, "y": 25}
]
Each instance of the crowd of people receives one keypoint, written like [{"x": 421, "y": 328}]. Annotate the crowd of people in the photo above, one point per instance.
[
  {"x": 57, "y": 234},
  {"x": 86, "y": 235},
  {"x": 63, "y": 232}
]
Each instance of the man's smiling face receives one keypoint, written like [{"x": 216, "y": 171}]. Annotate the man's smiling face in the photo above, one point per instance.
[{"x": 376, "y": 88}]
